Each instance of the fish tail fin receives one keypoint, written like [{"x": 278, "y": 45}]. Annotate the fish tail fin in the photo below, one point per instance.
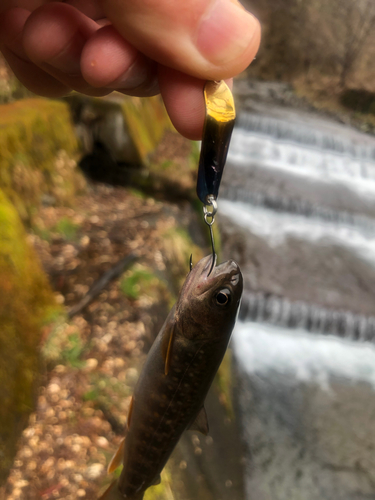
[{"x": 113, "y": 493}]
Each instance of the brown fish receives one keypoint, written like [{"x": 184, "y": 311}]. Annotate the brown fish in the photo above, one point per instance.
[{"x": 177, "y": 374}]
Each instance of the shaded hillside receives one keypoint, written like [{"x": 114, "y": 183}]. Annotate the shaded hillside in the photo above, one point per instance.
[{"x": 316, "y": 39}]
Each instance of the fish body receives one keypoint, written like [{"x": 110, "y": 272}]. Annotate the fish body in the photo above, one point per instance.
[{"x": 177, "y": 374}]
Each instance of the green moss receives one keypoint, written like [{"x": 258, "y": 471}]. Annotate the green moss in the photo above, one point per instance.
[
  {"x": 136, "y": 282},
  {"x": 34, "y": 132},
  {"x": 72, "y": 352},
  {"x": 140, "y": 281},
  {"x": 91, "y": 395},
  {"x": 26, "y": 302},
  {"x": 66, "y": 228},
  {"x": 138, "y": 194},
  {"x": 64, "y": 344},
  {"x": 106, "y": 391},
  {"x": 167, "y": 165}
]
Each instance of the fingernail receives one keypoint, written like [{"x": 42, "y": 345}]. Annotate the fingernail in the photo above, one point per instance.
[
  {"x": 69, "y": 60},
  {"x": 136, "y": 75},
  {"x": 225, "y": 31}
]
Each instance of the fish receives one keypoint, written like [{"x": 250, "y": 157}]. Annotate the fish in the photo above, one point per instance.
[{"x": 178, "y": 372}]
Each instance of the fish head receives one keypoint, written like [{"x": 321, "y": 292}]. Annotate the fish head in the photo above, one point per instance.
[{"x": 209, "y": 301}]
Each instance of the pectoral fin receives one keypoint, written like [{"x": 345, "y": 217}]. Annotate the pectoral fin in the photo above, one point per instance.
[
  {"x": 117, "y": 458},
  {"x": 167, "y": 342},
  {"x": 200, "y": 424}
]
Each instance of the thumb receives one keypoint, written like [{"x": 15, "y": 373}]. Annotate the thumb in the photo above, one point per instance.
[{"x": 213, "y": 40}]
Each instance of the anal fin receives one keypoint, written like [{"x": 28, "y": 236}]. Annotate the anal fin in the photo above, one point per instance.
[
  {"x": 200, "y": 424},
  {"x": 117, "y": 458}
]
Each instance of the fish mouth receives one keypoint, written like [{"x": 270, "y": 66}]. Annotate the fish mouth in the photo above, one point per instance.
[
  {"x": 204, "y": 279},
  {"x": 201, "y": 268},
  {"x": 226, "y": 273},
  {"x": 198, "y": 273}
]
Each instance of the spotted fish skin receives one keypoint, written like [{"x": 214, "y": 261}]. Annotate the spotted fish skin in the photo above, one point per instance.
[{"x": 167, "y": 400}]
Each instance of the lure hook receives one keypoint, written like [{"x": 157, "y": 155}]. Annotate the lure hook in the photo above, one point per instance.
[
  {"x": 209, "y": 219},
  {"x": 213, "y": 249}
]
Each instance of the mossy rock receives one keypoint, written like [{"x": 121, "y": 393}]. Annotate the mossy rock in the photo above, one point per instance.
[
  {"x": 129, "y": 127},
  {"x": 26, "y": 301},
  {"x": 34, "y": 132},
  {"x": 147, "y": 120}
]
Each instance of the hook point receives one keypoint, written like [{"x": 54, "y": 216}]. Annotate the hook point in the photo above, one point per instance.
[{"x": 213, "y": 250}]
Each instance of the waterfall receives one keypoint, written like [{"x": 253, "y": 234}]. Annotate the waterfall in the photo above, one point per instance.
[
  {"x": 297, "y": 211},
  {"x": 284, "y": 185},
  {"x": 282, "y": 130},
  {"x": 262, "y": 308},
  {"x": 295, "y": 206}
]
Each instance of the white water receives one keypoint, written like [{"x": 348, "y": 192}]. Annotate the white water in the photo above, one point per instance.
[
  {"x": 328, "y": 167},
  {"x": 301, "y": 128},
  {"x": 277, "y": 226},
  {"x": 262, "y": 349}
]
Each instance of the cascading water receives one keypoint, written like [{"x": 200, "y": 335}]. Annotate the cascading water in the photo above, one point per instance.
[{"x": 297, "y": 211}]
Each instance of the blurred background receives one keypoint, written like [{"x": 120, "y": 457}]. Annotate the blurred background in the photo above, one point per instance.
[{"x": 98, "y": 217}]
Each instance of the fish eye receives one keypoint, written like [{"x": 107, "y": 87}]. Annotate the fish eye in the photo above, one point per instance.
[{"x": 223, "y": 297}]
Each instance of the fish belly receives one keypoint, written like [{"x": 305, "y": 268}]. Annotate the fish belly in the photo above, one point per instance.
[{"x": 164, "y": 406}]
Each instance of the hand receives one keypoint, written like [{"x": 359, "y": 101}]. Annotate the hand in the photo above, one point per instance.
[{"x": 138, "y": 47}]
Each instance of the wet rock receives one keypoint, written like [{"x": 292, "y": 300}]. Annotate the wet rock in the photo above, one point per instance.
[{"x": 308, "y": 442}]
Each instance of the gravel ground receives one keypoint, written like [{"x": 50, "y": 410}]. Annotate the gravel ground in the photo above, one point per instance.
[{"x": 92, "y": 361}]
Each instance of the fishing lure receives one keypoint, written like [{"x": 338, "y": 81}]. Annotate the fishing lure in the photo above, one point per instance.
[{"x": 217, "y": 132}]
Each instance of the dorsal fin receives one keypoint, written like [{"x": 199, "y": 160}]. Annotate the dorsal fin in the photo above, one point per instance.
[
  {"x": 167, "y": 342},
  {"x": 200, "y": 424},
  {"x": 117, "y": 458}
]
